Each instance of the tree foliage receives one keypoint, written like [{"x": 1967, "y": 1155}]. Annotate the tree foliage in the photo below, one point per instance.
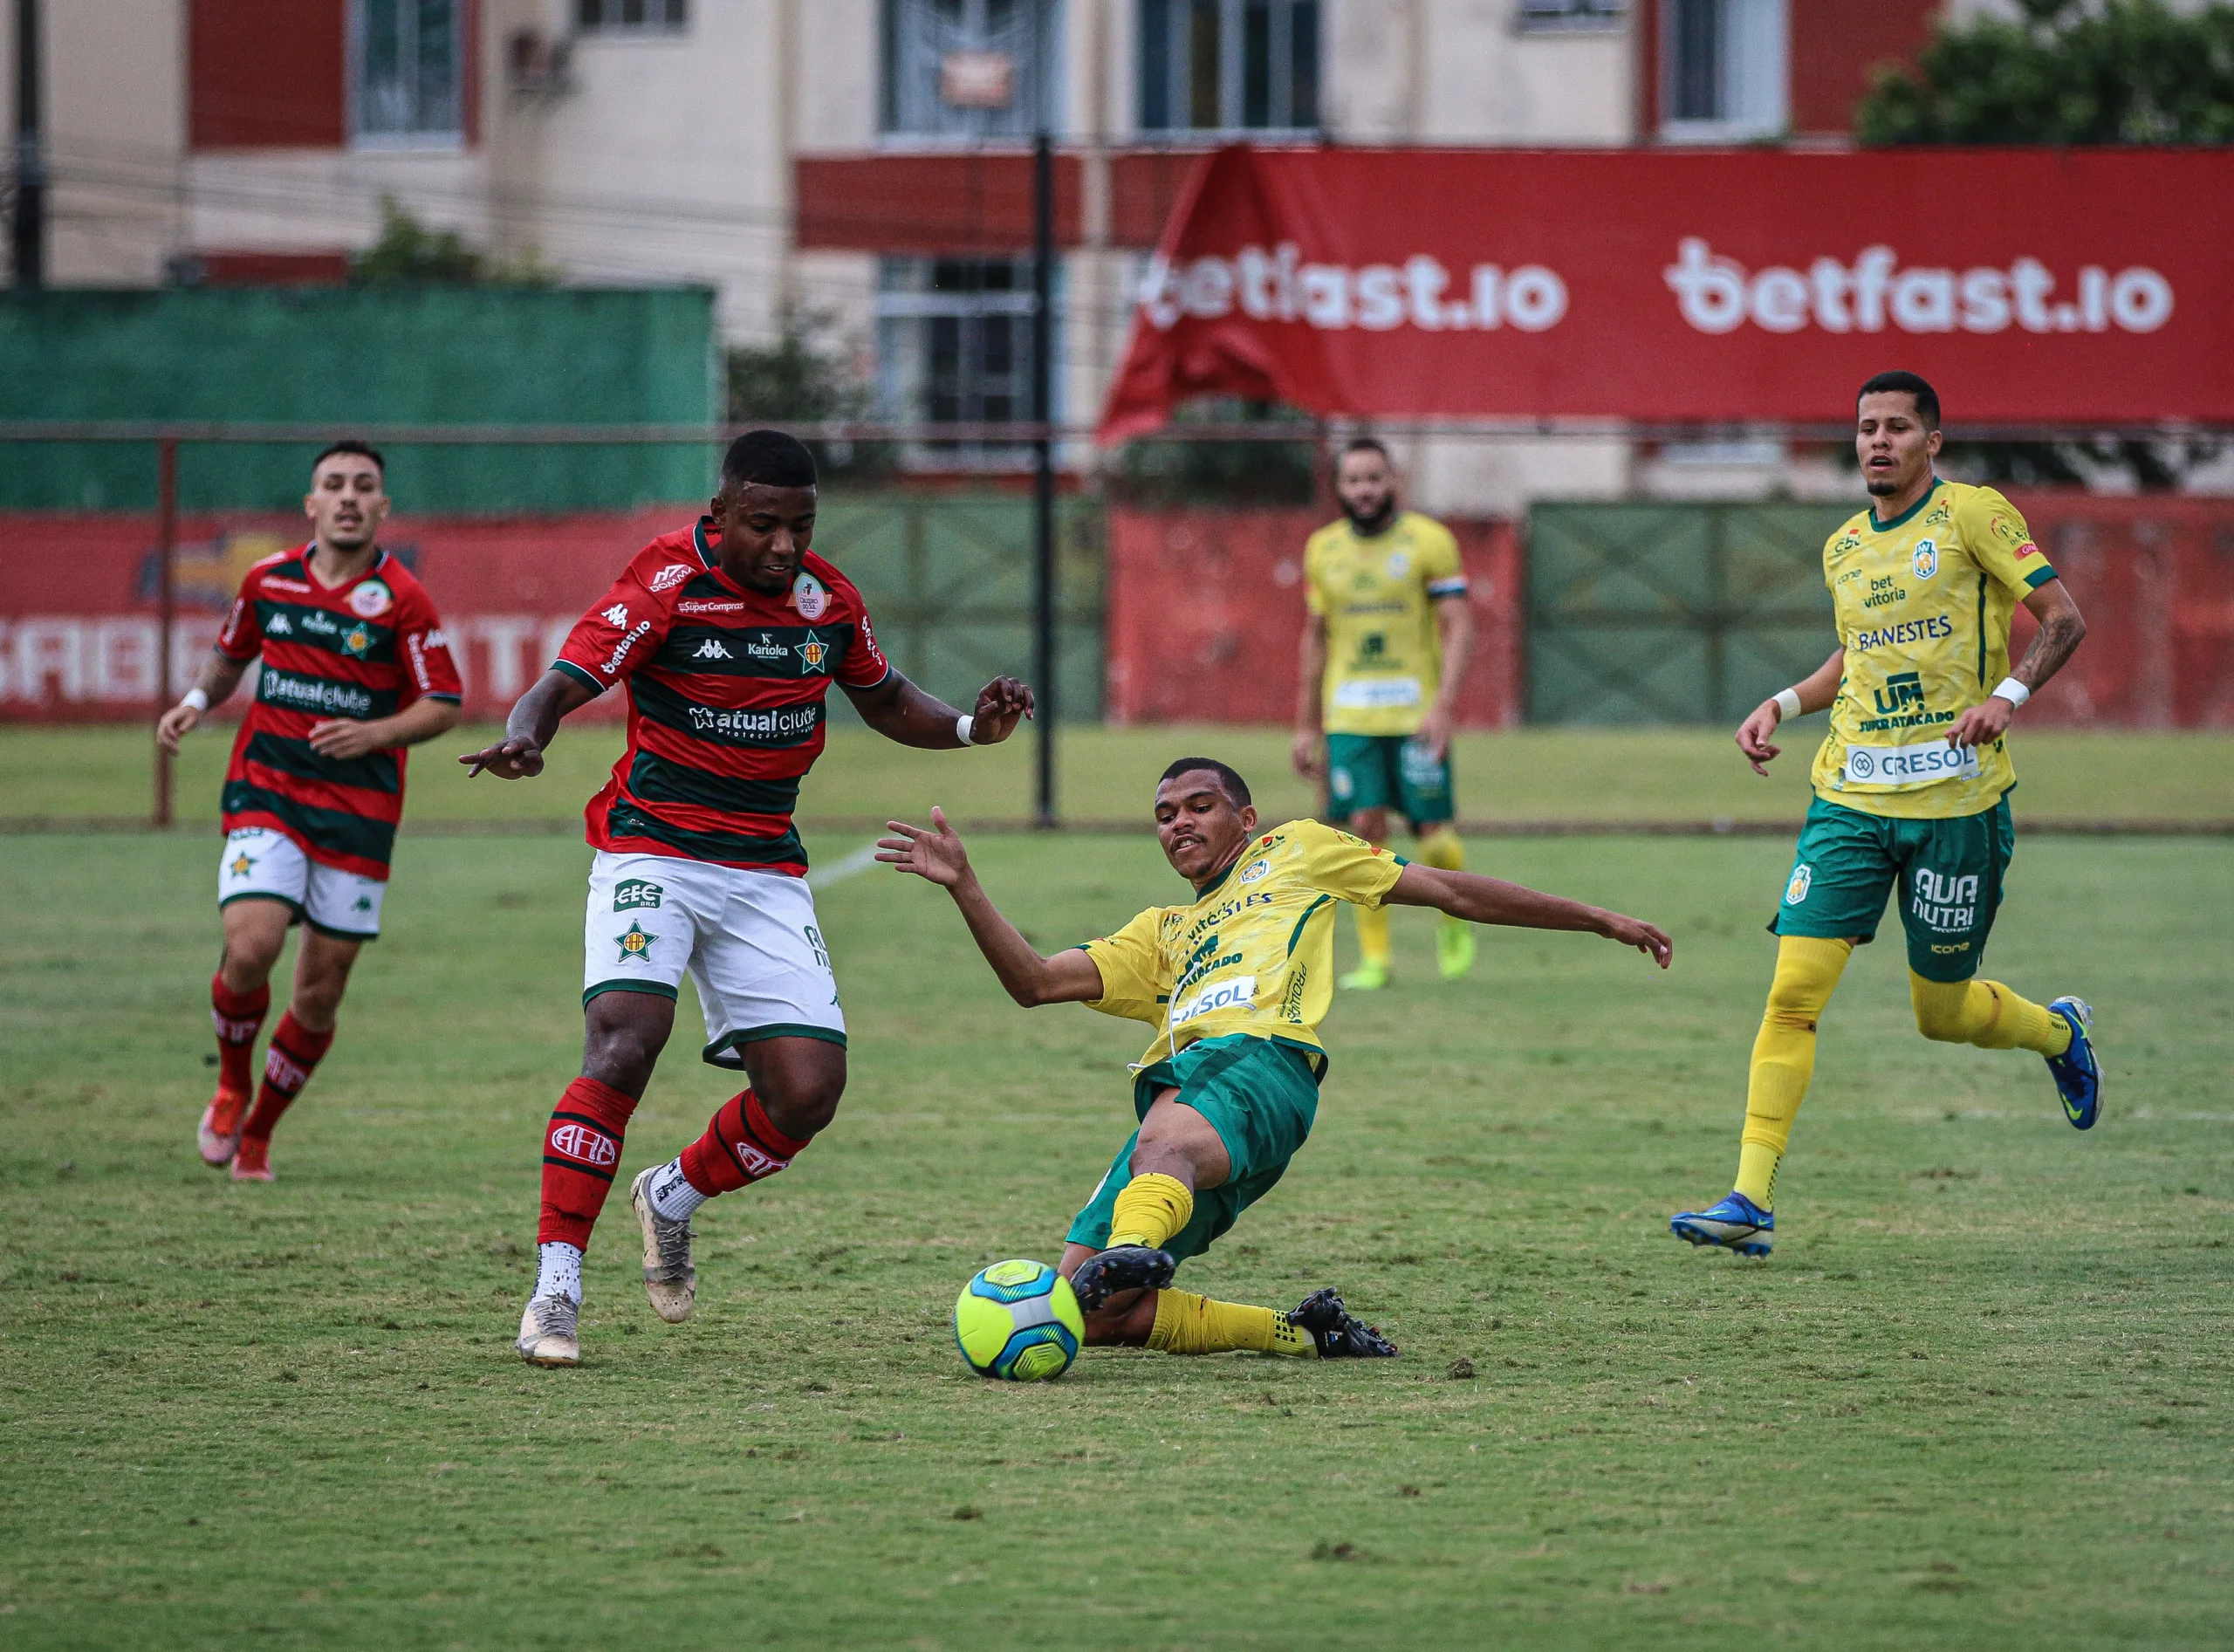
[
  {"x": 2104, "y": 72},
  {"x": 805, "y": 375},
  {"x": 408, "y": 254}
]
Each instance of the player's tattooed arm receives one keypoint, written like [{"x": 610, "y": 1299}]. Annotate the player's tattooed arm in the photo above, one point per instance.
[
  {"x": 532, "y": 726},
  {"x": 2062, "y": 628},
  {"x": 1480, "y": 900},
  {"x": 1070, "y": 977},
  {"x": 901, "y": 711},
  {"x": 1816, "y": 692},
  {"x": 220, "y": 677}
]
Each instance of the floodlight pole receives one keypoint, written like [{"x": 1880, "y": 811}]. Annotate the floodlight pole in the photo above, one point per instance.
[
  {"x": 1043, "y": 448},
  {"x": 165, "y": 606},
  {"x": 30, "y": 225}
]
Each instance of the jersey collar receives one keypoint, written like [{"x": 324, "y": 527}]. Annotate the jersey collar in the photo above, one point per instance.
[
  {"x": 309, "y": 550},
  {"x": 1875, "y": 526},
  {"x": 1218, "y": 882}
]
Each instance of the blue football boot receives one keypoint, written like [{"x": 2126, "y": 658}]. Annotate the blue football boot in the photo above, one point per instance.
[
  {"x": 1737, "y": 1223},
  {"x": 2078, "y": 1075}
]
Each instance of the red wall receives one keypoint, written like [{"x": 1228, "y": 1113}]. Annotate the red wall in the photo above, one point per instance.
[{"x": 266, "y": 74}]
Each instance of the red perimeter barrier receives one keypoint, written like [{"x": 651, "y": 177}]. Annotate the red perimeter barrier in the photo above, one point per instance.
[{"x": 1206, "y": 614}]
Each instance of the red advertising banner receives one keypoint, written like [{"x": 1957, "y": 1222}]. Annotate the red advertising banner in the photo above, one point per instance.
[
  {"x": 2032, "y": 286},
  {"x": 1206, "y": 616}
]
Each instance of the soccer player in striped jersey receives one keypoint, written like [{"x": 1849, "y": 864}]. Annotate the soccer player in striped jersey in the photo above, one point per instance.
[
  {"x": 354, "y": 669},
  {"x": 728, "y": 635}
]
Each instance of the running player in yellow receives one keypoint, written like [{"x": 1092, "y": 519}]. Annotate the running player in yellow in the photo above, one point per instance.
[
  {"x": 1385, "y": 641},
  {"x": 1911, "y": 784},
  {"x": 1234, "y": 982}
]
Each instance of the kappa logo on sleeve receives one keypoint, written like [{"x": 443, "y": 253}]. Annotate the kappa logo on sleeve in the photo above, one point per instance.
[
  {"x": 670, "y": 577},
  {"x": 617, "y": 614}
]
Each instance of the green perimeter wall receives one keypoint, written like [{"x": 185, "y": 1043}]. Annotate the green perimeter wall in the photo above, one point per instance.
[{"x": 348, "y": 357}]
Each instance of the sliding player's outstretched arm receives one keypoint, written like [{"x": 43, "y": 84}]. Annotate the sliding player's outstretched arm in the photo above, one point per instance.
[
  {"x": 901, "y": 711},
  {"x": 1068, "y": 977},
  {"x": 532, "y": 725},
  {"x": 1480, "y": 900}
]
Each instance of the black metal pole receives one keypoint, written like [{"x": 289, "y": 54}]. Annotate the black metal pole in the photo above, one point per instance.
[
  {"x": 30, "y": 238},
  {"x": 1043, "y": 448}
]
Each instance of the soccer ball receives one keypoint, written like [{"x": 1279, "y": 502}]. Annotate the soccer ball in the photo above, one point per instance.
[{"x": 1018, "y": 1321}]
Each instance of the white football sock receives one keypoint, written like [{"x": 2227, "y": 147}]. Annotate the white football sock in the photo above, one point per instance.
[
  {"x": 558, "y": 1271},
  {"x": 670, "y": 1194}
]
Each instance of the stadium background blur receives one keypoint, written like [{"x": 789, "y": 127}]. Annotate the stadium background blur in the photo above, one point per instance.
[{"x": 671, "y": 218}]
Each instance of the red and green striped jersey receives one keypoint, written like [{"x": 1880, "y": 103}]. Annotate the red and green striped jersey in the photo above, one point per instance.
[
  {"x": 359, "y": 650},
  {"x": 726, "y": 691}
]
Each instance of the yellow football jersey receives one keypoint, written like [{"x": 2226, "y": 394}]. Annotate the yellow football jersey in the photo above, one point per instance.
[
  {"x": 1384, "y": 655},
  {"x": 1254, "y": 953},
  {"x": 1923, "y": 605}
]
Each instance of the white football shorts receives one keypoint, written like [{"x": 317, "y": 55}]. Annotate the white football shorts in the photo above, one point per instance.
[
  {"x": 748, "y": 940},
  {"x": 267, "y": 865}
]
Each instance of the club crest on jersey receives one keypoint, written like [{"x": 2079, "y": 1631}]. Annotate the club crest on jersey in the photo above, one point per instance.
[
  {"x": 240, "y": 866},
  {"x": 670, "y": 577},
  {"x": 635, "y": 943},
  {"x": 371, "y": 600},
  {"x": 809, "y": 597},
  {"x": 1926, "y": 560},
  {"x": 812, "y": 653},
  {"x": 357, "y": 641},
  {"x": 1398, "y": 565},
  {"x": 1256, "y": 873},
  {"x": 1796, "y": 891}
]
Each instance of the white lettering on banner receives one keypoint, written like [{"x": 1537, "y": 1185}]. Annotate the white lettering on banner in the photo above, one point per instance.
[
  {"x": 1279, "y": 286},
  {"x": 1717, "y": 294},
  {"x": 1896, "y": 766},
  {"x": 1373, "y": 694},
  {"x": 1238, "y": 993}
]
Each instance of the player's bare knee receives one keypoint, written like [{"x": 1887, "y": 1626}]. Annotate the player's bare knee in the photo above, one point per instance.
[
  {"x": 1372, "y": 824},
  {"x": 800, "y": 1082}
]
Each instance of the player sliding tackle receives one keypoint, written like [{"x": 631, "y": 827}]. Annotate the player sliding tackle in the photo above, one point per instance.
[{"x": 1234, "y": 982}]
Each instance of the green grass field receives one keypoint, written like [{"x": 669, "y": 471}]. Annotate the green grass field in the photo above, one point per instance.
[{"x": 1981, "y": 1395}]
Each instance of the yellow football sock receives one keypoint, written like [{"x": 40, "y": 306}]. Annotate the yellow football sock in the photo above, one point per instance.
[
  {"x": 1373, "y": 935},
  {"x": 1784, "y": 1056},
  {"x": 1186, "y": 1323},
  {"x": 1442, "y": 850},
  {"x": 1151, "y": 1209},
  {"x": 1987, "y": 1014}
]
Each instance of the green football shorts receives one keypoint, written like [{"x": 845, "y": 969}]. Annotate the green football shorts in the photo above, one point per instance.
[
  {"x": 1948, "y": 874},
  {"x": 1388, "y": 771},
  {"x": 1260, "y": 1096}
]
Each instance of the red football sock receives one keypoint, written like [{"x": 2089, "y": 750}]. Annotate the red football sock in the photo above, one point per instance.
[
  {"x": 740, "y": 1146},
  {"x": 292, "y": 1056},
  {"x": 238, "y": 1018},
  {"x": 581, "y": 1150}
]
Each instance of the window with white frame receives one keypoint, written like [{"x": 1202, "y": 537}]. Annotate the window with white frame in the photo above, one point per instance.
[
  {"x": 1722, "y": 69},
  {"x": 630, "y": 16},
  {"x": 969, "y": 69},
  {"x": 1571, "y": 17},
  {"x": 954, "y": 346},
  {"x": 408, "y": 58},
  {"x": 1229, "y": 65}
]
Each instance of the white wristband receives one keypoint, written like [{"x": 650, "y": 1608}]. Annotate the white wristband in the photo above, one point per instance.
[
  {"x": 962, "y": 727},
  {"x": 1787, "y": 704},
  {"x": 197, "y": 699},
  {"x": 2012, "y": 690}
]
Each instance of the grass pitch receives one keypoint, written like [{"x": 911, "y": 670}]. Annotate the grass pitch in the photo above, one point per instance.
[{"x": 1980, "y": 1397}]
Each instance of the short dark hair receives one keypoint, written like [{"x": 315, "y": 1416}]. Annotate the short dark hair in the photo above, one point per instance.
[
  {"x": 768, "y": 457},
  {"x": 350, "y": 444},
  {"x": 1231, "y": 783},
  {"x": 1360, "y": 444},
  {"x": 1912, "y": 384}
]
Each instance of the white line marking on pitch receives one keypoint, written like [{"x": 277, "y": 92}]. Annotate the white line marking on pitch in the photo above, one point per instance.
[{"x": 838, "y": 871}]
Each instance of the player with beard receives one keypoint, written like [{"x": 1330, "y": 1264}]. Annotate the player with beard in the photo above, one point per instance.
[
  {"x": 1385, "y": 637},
  {"x": 354, "y": 669},
  {"x": 1235, "y": 981},
  {"x": 1911, "y": 783},
  {"x": 728, "y": 635}
]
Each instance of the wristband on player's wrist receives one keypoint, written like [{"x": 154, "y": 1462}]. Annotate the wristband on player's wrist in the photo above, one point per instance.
[
  {"x": 962, "y": 724},
  {"x": 197, "y": 698},
  {"x": 2011, "y": 689},
  {"x": 1787, "y": 704}
]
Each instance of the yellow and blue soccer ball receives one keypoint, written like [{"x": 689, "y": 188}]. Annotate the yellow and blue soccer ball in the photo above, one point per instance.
[{"x": 1018, "y": 1321}]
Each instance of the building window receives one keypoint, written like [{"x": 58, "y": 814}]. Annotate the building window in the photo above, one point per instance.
[
  {"x": 407, "y": 55},
  {"x": 969, "y": 69},
  {"x": 1722, "y": 68},
  {"x": 953, "y": 346},
  {"x": 1229, "y": 65},
  {"x": 1570, "y": 17},
  {"x": 628, "y": 16}
]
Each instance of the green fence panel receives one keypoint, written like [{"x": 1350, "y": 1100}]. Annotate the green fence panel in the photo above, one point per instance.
[
  {"x": 347, "y": 357},
  {"x": 1673, "y": 613},
  {"x": 948, "y": 580}
]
